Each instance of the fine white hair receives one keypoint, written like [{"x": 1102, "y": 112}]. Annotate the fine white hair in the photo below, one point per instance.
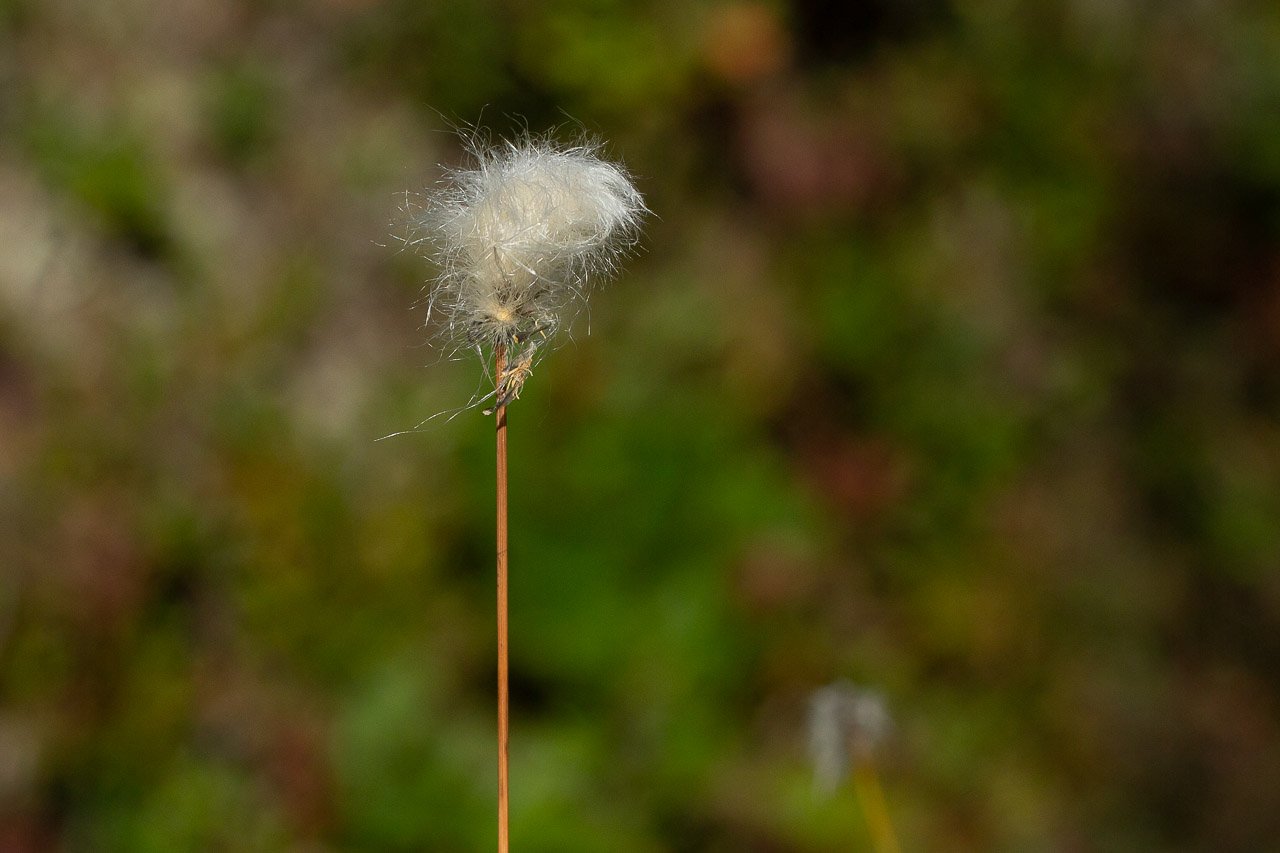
[{"x": 521, "y": 236}]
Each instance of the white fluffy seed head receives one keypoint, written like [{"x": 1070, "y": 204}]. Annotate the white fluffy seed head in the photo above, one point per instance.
[
  {"x": 520, "y": 238},
  {"x": 847, "y": 724}
]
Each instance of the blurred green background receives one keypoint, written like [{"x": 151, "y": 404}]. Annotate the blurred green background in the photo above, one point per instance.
[{"x": 950, "y": 365}]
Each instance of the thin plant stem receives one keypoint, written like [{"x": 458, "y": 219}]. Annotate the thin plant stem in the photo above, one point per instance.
[
  {"x": 866, "y": 784},
  {"x": 500, "y": 364}
]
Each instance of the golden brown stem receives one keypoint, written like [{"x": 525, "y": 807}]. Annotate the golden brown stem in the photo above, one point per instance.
[
  {"x": 867, "y": 786},
  {"x": 503, "y": 796}
]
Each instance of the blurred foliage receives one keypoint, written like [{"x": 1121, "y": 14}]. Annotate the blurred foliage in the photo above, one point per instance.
[{"x": 948, "y": 366}]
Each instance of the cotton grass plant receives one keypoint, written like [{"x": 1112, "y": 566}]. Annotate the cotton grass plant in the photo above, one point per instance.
[
  {"x": 848, "y": 727},
  {"x": 519, "y": 237}
]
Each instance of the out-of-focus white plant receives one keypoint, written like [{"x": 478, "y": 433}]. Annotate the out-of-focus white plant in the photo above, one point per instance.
[
  {"x": 847, "y": 726},
  {"x": 519, "y": 239}
]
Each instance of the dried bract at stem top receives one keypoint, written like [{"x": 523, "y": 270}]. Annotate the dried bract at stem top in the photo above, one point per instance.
[{"x": 519, "y": 240}]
